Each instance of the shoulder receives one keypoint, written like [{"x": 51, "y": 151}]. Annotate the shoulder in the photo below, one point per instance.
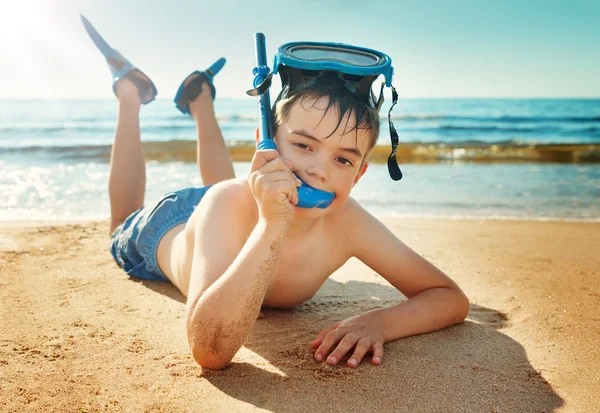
[
  {"x": 232, "y": 189},
  {"x": 351, "y": 222},
  {"x": 235, "y": 193},
  {"x": 352, "y": 211},
  {"x": 229, "y": 200}
]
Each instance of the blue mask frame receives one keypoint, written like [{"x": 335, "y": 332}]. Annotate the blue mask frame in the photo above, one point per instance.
[{"x": 367, "y": 62}]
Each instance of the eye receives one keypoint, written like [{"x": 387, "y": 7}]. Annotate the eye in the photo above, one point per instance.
[
  {"x": 301, "y": 146},
  {"x": 345, "y": 161}
]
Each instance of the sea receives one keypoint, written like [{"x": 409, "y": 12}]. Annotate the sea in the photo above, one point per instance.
[{"x": 524, "y": 159}]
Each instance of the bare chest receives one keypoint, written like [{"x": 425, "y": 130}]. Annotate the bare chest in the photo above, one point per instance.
[{"x": 301, "y": 270}]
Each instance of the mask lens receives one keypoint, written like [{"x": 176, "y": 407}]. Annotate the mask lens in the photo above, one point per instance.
[{"x": 336, "y": 54}]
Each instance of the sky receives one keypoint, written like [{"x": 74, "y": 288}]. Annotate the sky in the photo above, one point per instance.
[{"x": 446, "y": 49}]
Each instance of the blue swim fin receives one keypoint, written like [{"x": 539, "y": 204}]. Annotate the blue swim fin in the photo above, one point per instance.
[
  {"x": 120, "y": 67},
  {"x": 190, "y": 91}
]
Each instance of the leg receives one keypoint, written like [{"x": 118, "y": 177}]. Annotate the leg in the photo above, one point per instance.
[
  {"x": 212, "y": 155},
  {"x": 127, "y": 178}
]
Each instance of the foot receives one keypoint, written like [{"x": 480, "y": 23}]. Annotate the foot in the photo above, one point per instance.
[
  {"x": 203, "y": 101},
  {"x": 127, "y": 92},
  {"x": 192, "y": 87},
  {"x": 122, "y": 69}
]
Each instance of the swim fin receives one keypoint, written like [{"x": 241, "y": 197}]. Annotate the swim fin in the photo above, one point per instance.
[
  {"x": 186, "y": 93},
  {"x": 120, "y": 67}
]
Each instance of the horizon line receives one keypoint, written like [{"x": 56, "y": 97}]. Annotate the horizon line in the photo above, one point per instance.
[{"x": 13, "y": 99}]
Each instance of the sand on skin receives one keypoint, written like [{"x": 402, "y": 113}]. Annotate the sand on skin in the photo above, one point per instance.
[{"x": 77, "y": 334}]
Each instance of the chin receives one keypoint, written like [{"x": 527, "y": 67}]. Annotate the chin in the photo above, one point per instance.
[
  {"x": 312, "y": 213},
  {"x": 309, "y": 213}
]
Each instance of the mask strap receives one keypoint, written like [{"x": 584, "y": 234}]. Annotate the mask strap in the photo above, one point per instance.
[
  {"x": 332, "y": 76},
  {"x": 263, "y": 87},
  {"x": 381, "y": 99},
  {"x": 393, "y": 167}
]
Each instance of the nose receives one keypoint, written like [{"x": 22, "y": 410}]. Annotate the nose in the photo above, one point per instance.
[{"x": 318, "y": 169}]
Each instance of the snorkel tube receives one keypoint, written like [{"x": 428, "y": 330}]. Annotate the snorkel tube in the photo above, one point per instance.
[{"x": 308, "y": 197}]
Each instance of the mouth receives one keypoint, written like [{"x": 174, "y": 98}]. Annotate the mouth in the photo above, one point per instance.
[
  {"x": 310, "y": 197},
  {"x": 306, "y": 184}
]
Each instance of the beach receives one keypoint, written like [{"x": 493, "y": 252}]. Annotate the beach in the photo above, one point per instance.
[
  {"x": 78, "y": 335},
  {"x": 491, "y": 112},
  {"x": 501, "y": 195}
]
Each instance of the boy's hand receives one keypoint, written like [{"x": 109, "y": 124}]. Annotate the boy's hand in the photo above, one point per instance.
[
  {"x": 363, "y": 331},
  {"x": 273, "y": 185}
]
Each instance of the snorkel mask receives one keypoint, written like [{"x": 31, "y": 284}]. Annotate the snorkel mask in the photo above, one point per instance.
[{"x": 301, "y": 65}]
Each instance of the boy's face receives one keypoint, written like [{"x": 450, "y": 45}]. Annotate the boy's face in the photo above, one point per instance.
[{"x": 334, "y": 163}]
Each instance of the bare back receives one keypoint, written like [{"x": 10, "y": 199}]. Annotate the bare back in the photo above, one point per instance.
[{"x": 305, "y": 262}]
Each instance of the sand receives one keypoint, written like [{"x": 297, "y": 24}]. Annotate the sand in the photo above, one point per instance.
[{"x": 77, "y": 335}]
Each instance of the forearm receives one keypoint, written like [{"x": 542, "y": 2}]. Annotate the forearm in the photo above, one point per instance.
[
  {"x": 427, "y": 311},
  {"x": 226, "y": 312}
]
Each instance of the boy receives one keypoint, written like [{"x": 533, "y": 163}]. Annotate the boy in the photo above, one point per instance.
[{"x": 247, "y": 245}]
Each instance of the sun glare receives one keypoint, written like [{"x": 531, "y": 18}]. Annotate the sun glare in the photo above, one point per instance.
[
  {"x": 20, "y": 19},
  {"x": 28, "y": 31}
]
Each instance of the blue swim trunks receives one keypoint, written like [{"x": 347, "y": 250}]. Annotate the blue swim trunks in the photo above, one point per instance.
[{"x": 134, "y": 243}]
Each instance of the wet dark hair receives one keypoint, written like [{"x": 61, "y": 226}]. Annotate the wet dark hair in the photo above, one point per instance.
[{"x": 339, "y": 98}]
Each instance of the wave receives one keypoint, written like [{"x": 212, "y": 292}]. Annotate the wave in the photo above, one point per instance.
[
  {"x": 234, "y": 117},
  {"x": 48, "y": 130},
  {"x": 506, "y": 119},
  {"x": 493, "y": 129},
  {"x": 243, "y": 117},
  {"x": 592, "y": 131},
  {"x": 247, "y": 117},
  {"x": 411, "y": 152},
  {"x": 525, "y": 130}
]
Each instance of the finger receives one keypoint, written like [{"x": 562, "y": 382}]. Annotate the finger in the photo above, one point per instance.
[
  {"x": 280, "y": 176},
  {"x": 331, "y": 339},
  {"x": 283, "y": 177},
  {"x": 345, "y": 345},
  {"x": 319, "y": 339},
  {"x": 363, "y": 345},
  {"x": 262, "y": 157},
  {"x": 282, "y": 190},
  {"x": 274, "y": 165},
  {"x": 377, "y": 353}
]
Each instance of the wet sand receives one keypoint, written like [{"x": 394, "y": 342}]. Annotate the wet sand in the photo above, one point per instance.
[{"x": 76, "y": 334}]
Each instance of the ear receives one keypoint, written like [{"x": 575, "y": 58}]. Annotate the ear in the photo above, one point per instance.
[{"x": 360, "y": 173}]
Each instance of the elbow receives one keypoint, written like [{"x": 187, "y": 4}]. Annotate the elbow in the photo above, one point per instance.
[
  {"x": 462, "y": 306},
  {"x": 209, "y": 359},
  {"x": 207, "y": 344},
  {"x": 210, "y": 347},
  {"x": 212, "y": 362}
]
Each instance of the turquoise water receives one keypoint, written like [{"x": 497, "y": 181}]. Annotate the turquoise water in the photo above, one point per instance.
[
  {"x": 38, "y": 184},
  {"x": 71, "y": 123}
]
